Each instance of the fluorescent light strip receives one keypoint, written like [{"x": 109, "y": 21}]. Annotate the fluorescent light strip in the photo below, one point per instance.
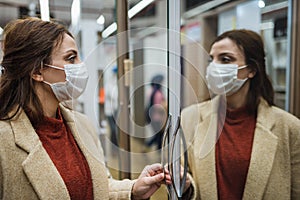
[
  {"x": 44, "y": 6},
  {"x": 109, "y": 30},
  {"x": 138, "y": 7},
  {"x": 131, "y": 13},
  {"x": 75, "y": 13},
  {"x": 1, "y": 30}
]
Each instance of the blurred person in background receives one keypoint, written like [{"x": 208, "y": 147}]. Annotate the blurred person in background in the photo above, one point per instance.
[
  {"x": 156, "y": 111},
  {"x": 48, "y": 151},
  {"x": 240, "y": 145}
]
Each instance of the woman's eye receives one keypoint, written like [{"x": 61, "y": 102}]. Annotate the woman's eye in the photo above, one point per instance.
[
  {"x": 226, "y": 60},
  {"x": 71, "y": 59}
]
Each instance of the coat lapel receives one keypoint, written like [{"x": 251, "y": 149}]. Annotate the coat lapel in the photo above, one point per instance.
[
  {"x": 206, "y": 155},
  {"x": 92, "y": 151},
  {"x": 38, "y": 166},
  {"x": 263, "y": 154}
]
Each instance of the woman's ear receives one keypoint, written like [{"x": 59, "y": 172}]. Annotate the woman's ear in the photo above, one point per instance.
[
  {"x": 37, "y": 76},
  {"x": 252, "y": 73}
]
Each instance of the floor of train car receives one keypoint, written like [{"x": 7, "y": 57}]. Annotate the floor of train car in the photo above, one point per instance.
[{"x": 149, "y": 155}]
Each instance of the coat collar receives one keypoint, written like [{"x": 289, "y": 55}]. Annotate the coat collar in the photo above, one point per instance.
[
  {"x": 263, "y": 153},
  {"x": 262, "y": 156},
  {"x": 39, "y": 167},
  {"x": 91, "y": 148}
]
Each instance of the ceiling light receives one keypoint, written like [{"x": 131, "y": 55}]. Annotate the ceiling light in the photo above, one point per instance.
[
  {"x": 131, "y": 13},
  {"x": 138, "y": 7},
  {"x": 109, "y": 30},
  {"x": 75, "y": 12},
  {"x": 261, "y": 4},
  {"x": 44, "y": 7},
  {"x": 101, "y": 20}
]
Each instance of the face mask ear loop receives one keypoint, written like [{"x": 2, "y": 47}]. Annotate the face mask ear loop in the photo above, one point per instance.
[
  {"x": 52, "y": 66},
  {"x": 47, "y": 83},
  {"x": 242, "y": 67}
]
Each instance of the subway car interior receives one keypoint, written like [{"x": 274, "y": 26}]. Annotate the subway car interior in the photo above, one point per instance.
[{"x": 130, "y": 46}]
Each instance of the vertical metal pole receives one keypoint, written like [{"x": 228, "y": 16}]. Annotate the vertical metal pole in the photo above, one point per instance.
[
  {"x": 123, "y": 118},
  {"x": 174, "y": 77},
  {"x": 293, "y": 72},
  {"x": 289, "y": 55}
]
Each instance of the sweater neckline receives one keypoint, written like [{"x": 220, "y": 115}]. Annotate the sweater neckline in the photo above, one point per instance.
[
  {"x": 52, "y": 127},
  {"x": 238, "y": 114}
]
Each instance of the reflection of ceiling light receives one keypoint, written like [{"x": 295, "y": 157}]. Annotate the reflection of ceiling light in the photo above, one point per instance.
[
  {"x": 109, "y": 30},
  {"x": 131, "y": 13},
  {"x": 261, "y": 4},
  {"x": 44, "y": 6},
  {"x": 1, "y": 30},
  {"x": 138, "y": 7}
]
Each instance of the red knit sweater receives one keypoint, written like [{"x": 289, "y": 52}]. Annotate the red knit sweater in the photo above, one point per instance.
[
  {"x": 233, "y": 153},
  {"x": 63, "y": 150}
]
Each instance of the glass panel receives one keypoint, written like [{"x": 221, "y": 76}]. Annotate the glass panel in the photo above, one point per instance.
[
  {"x": 148, "y": 50},
  {"x": 203, "y": 23},
  {"x": 148, "y": 85},
  {"x": 148, "y": 92},
  {"x": 103, "y": 92}
]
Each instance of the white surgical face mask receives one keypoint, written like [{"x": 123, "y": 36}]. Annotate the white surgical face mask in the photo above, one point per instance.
[
  {"x": 222, "y": 78},
  {"x": 75, "y": 83}
]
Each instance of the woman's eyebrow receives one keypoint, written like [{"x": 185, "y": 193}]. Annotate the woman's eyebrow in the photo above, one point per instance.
[
  {"x": 226, "y": 54},
  {"x": 71, "y": 51}
]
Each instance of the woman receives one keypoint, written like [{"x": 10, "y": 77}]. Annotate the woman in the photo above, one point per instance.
[
  {"x": 48, "y": 151},
  {"x": 156, "y": 111},
  {"x": 240, "y": 145}
]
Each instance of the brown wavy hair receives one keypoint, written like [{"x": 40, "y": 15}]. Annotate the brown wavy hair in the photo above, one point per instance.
[
  {"x": 251, "y": 44},
  {"x": 27, "y": 43}
]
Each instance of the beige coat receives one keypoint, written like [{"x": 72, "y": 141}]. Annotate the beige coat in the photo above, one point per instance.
[
  {"x": 274, "y": 171},
  {"x": 27, "y": 172}
]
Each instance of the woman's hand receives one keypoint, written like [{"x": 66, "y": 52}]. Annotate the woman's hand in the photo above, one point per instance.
[
  {"x": 148, "y": 182},
  {"x": 187, "y": 180},
  {"x": 169, "y": 181}
]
